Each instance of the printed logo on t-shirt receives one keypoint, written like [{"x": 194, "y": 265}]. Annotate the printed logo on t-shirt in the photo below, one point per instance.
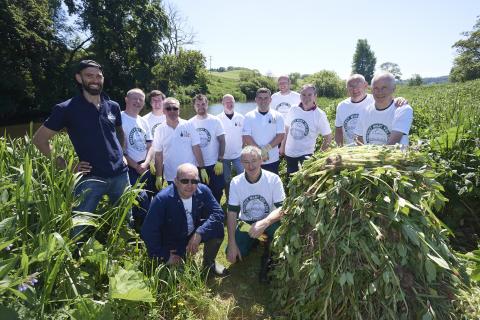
[
  {"x": 299, "y": 129},
  {"x": 205, "y": 137},
  {"x": 184, "y": 134},
  {"x": 377, "y": 133},
  {"x": 155, "y": 127},
  {"x": 137, "y": 138},
  {"x": 283, "y": 107},
  {"x": 349, "y": 125},
  {"x": 255, "y": 207},
  {"x": 111, "y": 117},
  {"x": 238, "y": 124}
]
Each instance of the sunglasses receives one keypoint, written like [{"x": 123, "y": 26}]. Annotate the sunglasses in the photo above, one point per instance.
[
  {"x": 192, "y": 181},
  {"x": 171, "y": 108}
]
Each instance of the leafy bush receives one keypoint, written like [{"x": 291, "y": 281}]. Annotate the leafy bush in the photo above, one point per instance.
[{"x": 328, "y": 84}]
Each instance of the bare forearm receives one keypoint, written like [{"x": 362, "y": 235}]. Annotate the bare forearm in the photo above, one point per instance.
[
  {"x": 339, "y": 136},
  {"x": 197, "y": 152},
  {"x": 159, "y": 163},
  {"x": 221, "y": 148},
  {"x": 150, "y": 152},
  {"x": 277, "y": 140},
  {"x": 231, "y": 225},
  {"x": 248, "y": 141},
  {"x": 326, "y": 142},
  {"x": 395, "y": 137},
  {"x": 274, "y": 216}
]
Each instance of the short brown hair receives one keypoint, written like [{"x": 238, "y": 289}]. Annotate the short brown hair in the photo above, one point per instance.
[
  {"x": 199, "y": 97},
  {"x": 155, "y": 93},
  {"x": 263, "y": 90}
]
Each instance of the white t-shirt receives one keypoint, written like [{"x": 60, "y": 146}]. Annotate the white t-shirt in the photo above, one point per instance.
[
  {"x": 347, "y": 116},
  {"x": 282, "y": 103},
  {"x": 176, "y": 145},
  {"x": 208, "y": 129},
  {"x": 304, "y": 128},
  {"x": 263, "y": 128},
  {"x": 233, "y": 134},
  {"x": 154, "y": 121},
  {"x": 187, "y": 204},
  {"x": 137, "y": 134},
  {"x": 375, "y": 125},
  {"x": 256, "y": 200}
]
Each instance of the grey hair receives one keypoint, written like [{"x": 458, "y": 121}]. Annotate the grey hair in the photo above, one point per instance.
[
  {"x": 385, "y": 75},
  {"x": 171, "y": 101},
  {"x": 252, "y": 150},
  {"x": 309, "y": 86},
  {"x": 184, "y": 167},
  {"x": 356, "y": 76}
]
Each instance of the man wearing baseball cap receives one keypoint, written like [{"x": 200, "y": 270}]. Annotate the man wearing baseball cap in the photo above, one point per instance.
[{"x": 94, "y": 126}]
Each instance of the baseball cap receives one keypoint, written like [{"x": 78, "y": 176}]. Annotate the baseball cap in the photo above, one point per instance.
[{"x": 88, "y": 63}]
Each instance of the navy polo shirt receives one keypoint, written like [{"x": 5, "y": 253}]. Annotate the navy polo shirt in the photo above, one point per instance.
[{"x": 92, "y": 132}]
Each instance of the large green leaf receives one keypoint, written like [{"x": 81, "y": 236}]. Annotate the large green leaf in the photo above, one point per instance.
[{"x": 129, "y": 285}]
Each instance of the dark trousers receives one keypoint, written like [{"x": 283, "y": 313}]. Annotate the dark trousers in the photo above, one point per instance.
[
  {"x": 139, "y": 212},
  {"x": 210, "y": 251},
  {"x": 217, "y": 183},
  {"x": 293, "y": 164},
  {"x": 272, "y": 167}
]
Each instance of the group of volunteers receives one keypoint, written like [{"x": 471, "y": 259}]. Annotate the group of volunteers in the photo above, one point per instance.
[{"x": 186, "y": 165}]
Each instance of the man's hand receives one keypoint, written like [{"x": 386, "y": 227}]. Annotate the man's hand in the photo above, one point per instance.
[
  {"x": 400, "y": 101},
  {"x": 204, "y": 176},
  {"x": 257, "y": 229},
  {"x": 218, "y": 168},
  {"x": 158, "y": 183},
  {"x": 174, "y": 259},
  {"x": 281, "y": 150},
  {"x": 265, "y": 150},
  {"x": 141, "y": 168},
  {"x": 233, "y": 252},
  {"x": 83, "y": 167},
  {"x": 193, "y": 243},
  {"x": 61, "y": 163}
]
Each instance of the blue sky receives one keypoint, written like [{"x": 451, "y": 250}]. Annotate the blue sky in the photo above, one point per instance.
[{"x": 303, "y": 36}]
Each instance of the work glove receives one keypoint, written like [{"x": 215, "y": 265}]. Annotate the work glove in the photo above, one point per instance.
[
  {"x": 152, "y": 167},
  {"x": 204, "y": 176},
  {"x": 218, "y": 168},
  {"x": 265, "y": 151},
  {"x": 158, "y": 183}
]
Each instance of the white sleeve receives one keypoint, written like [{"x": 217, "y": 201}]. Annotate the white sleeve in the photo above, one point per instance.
[
  {"x": 338, "y": 121},
  {"x": 194, "y": 134},
  {"x": 147, "y": 127},
  {"x": 402, "y": 120},
  {"x": 157, "y": 140},
  {"x": 233, "y": 198},
  {"x": 323, "y": 125},
  {"x": 280, "y": 123},
  {"x": 219, "y": 128},
  {"x": 278, "y": 191},
  {"x": 247, "y": 126}
]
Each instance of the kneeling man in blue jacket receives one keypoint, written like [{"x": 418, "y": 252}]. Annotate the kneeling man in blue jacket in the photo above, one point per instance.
[{"x": 182, "y": 216}]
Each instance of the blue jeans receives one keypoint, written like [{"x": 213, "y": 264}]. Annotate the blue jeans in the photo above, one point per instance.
[
  {"x": 93, "y": 188},
  {"x": 227, "y": 168}
]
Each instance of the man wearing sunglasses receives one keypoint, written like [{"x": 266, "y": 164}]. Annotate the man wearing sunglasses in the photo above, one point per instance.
[
  {"x": 175, "y": 142},
  {"x": 182, "y": 216}
]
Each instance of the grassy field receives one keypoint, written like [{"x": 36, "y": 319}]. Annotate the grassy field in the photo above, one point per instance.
[{"x": 44, "y": 275}]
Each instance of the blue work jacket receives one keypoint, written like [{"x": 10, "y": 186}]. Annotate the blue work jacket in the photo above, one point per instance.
[{"x": 165, "y": 226}]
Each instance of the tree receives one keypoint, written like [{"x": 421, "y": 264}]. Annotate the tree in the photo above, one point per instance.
[
  {"x": 393, "y": 68},
  {"x": 364, "y": 60},
  {"x": 180, "y": 33},
  {"x": 466, "y": 65},
  {"x": 328, "y": 84},
  {"x": 415, "y": 80}
]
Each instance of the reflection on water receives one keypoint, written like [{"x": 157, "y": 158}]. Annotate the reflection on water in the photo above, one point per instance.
[{"x": 240, "y": 107}]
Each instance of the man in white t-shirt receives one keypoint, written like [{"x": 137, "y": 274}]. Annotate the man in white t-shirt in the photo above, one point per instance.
[
  {"x": 138, "y": 151},
  {"x": 156, "y": 116},
  {"x": 283, "y": 100},
  {"x": 303, "y": 124},
  {"x": 233, "y": 125},
  {"x": 212, "y": 144},
  {"x": 256, "y": 198},
  {"x": 348, "y": 110},
  {"x": 264, "y": 128},
  {"x": 175, "y": 142},
  {"x": 381, "y": 122}
]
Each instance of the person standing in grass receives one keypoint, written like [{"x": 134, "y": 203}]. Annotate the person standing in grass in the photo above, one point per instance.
[
  {"x": 348, "y": 110},
  {"x": 255, "y": 201},
  {"x": 381, "y": 122},
  {"x": 94, "y": 126},
  {"x": 156, "y": 117},
  {"x": 264, "y": 128},
  {"x": 182, "y": 216},
  {"x": 233, "y": 124},
  {"x": 303, "y": 125},
  {"x": 138, "y": 151},
  {"x": 175, "y": 142},
  {"x": 284, "y": 99},
  {"x": 212, "y": 144}
]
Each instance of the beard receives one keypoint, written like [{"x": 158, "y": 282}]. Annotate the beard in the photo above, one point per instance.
[{"x": 92, "y": 91}]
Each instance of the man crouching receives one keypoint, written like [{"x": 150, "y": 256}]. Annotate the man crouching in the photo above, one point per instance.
[{"x": 182, "y": 216}]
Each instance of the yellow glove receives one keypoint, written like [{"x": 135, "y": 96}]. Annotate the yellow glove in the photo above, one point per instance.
[
  {"x": 204, "y": 176},
  {"x": 265, "y": 151},
  {"x": 158, "y": 183},
  {"x": 152, "y": 167},
  {"x": 218, "y": 168}
]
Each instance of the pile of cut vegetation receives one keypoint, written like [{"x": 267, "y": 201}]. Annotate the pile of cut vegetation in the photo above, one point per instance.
[{"x": 360, "y": 240}]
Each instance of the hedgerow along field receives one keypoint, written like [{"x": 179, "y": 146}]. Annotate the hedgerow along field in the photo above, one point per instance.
[{"x": 43, "y": 275}]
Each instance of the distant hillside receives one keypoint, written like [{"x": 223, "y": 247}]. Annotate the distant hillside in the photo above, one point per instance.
[{"x": 430, "y": 80}]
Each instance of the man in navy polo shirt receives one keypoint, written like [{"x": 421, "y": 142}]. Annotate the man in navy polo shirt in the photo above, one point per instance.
[{"x": 94, "y": 125}]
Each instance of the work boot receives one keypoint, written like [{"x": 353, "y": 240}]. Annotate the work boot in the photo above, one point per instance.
[{"x": 265, "y": 264}]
